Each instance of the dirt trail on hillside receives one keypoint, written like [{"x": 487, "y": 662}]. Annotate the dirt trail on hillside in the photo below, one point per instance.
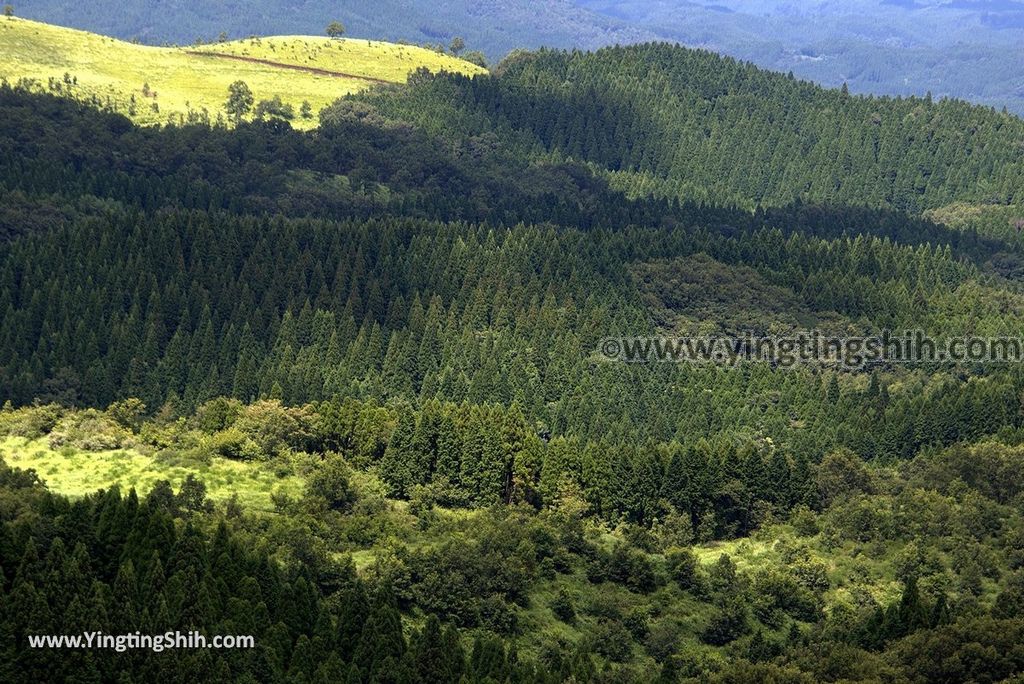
[{"x": 282, "y": 65}]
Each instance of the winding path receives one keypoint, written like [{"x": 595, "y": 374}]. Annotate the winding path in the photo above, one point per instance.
[{"x": 282, "y": 65}]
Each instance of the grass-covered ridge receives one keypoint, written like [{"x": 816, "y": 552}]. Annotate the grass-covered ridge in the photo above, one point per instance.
[{"x": 156, "y": 85}]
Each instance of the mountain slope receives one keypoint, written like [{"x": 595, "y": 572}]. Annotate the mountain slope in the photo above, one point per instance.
[
  {"x": 687, "y": 124},
  {"x": 370, "y": 218},
  {"x": 157, "y": 85},
  {"x": 965, "y": 49}
]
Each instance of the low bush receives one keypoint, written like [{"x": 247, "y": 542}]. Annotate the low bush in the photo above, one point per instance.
[
  {"x": 30, "y": 421},
  {"x": 89, "y": 430}
]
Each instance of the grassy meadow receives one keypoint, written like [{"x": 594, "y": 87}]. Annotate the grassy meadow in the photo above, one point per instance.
[
  {"x": 76, "y": 473},
  {"x": 158, "y": 85}
]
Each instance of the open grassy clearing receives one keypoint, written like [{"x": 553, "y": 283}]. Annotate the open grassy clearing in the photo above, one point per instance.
[
  {"x": 76, "y": 473},
  {"x": 157, "y": 85}
]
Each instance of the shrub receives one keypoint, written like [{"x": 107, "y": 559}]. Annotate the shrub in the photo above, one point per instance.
[
  {"x": 723, "y": 576},
  {"x": 613, "y": 641},
  {"x": 274, "y": 428},
  {"x": 274, "y": 109},
  {"x": 30, "y": 421},
  {"x": 564, "y": 607},
  {"x": 636, "y": 623},
  {"x": 183, "y": 458},
  {"x": 127, "y": 413},
  {"x": 804, "y": 521},
  {"x": 232, "y": 443},
  {"x": 164, "y": 435},
  {"x": 89, "y": 430},
  {"x": 675, "y": 529},
  {"x": 217, "y": 414},
  {"x": 840, "y": 474},
  {"x": 778, "y": 593},
  {"x": 811, "y": 573},
  {"x": 476, "y": 57},
  {"x": 497, "y": 615},
  {"x": 728, "y": 624},
  {"x": 331, "y": 482},
  {"x": 192, "y": 495},
  {"x": 861, "y": 518},
  {"x": 662, "y": 640},
  {"x": 631, "y": 568},
  {"x": 684, "y": 568}
]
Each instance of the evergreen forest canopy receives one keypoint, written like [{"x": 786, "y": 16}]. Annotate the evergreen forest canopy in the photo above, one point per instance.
[{"x": 402, "y": 308}]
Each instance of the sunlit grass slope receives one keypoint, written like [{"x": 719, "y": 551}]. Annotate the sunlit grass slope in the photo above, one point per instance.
[
  {"x": 365, "y": 58},
  {"x": 76, "y": 473},
  {"x": 155, "y": 85}
]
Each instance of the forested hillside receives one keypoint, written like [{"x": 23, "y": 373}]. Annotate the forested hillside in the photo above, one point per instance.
[
  {"x": 389, "y": 327},
  {"x": 666, "y": 121}
]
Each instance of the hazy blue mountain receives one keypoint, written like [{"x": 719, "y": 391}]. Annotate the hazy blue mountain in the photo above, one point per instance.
[{"x": 962, "y": 48}]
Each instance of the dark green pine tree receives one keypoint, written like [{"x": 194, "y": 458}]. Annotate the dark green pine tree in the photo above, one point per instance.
[
  {"x": 677, "y": 479},
  {"x": 911, "y": 613},
  {"x": 330, "y": 671},
  {"x": 125, "y": 612},
  {"x": 302, "y": 660},
  {"x": 382, "y": 643},
  {"x": 489, "y": 661},
  {"x": 779, "y": 489},
  {"x": 832, "y": 391},
  {"x": 436, "y": 657},
  {"x": 398, "y": 467},
  {"x": 355, "y": 610},
  {"x": 449, "y": 451}
]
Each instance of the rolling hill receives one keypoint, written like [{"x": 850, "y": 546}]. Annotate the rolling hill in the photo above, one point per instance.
[
  {"x": 494, "y": 27},
  {"x": 966, "y": 48},
  {"x": 154, "y": 85}
]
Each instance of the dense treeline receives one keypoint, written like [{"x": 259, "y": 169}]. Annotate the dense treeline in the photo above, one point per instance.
[
  {"x": 177, "y": 299},
  {"x": 352, "y": 167},
  {"x": 480, "y": 455},
  {"x": 186, "y": 306},
  {"x": 691, "y": 124},
  {"x": 657, "y": 120}
]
